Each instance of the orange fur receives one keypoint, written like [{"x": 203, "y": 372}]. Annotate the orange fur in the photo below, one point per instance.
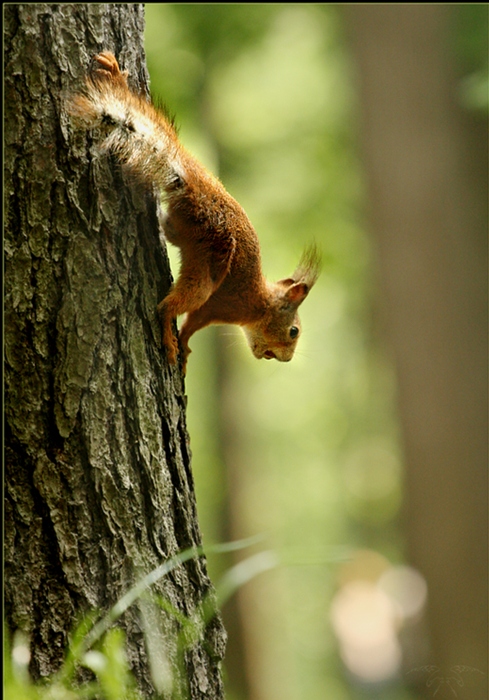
[{"x": 220, "y": 279}]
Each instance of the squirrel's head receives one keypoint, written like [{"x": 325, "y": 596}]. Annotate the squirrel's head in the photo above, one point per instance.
[{"x": 276, "y": 334}]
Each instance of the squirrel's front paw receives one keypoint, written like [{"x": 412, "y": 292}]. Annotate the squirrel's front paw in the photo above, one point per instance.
[
  {"x": 171, "y": 345},
  {"x": 184, "y": 354},
  {"x": 170, "y": 342}
]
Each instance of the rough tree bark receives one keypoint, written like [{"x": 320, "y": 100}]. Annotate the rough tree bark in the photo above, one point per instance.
[
  {"x": 426, "y": 163},
  {"x": 98, "y": 482}
]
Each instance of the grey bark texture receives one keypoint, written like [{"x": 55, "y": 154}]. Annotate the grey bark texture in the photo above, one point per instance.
[{"x": 98, "y": 487}]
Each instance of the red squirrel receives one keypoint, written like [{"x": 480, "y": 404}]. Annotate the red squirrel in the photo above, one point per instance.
[{"x": 221, "y": 279}]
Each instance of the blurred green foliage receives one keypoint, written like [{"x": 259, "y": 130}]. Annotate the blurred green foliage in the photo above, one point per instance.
[
  {"x": 112, "y": 678},
  {"x": 470, "y": 29},
  {"x": 471, "y": 37},
  {"x": 98, "y": 644}
]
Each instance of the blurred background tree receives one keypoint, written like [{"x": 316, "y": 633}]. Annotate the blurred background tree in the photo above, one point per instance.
[
  {"x": 276, "y": 99},
  {"x": 423, "y": 78}
]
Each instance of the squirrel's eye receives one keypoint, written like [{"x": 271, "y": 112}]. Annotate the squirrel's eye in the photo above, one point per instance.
[{"x": 294, "y": 332}]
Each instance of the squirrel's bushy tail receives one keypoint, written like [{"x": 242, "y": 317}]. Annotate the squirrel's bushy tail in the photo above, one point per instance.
[{"x": 134, "y": 131}]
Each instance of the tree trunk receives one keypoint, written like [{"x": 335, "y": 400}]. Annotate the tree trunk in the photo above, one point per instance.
[
  {"x": 99, "y": 489},
  {"x": 427, "y": 168}
]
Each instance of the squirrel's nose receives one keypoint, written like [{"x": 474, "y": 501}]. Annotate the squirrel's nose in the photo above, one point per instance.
[{"x": 269, "y": 355}]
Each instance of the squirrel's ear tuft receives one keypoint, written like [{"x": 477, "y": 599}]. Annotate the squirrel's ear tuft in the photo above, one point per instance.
[{"x": 309, "y": 266}]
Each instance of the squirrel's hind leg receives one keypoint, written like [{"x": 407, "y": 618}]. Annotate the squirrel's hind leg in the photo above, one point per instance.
[{"x": 105, "y": 67}]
